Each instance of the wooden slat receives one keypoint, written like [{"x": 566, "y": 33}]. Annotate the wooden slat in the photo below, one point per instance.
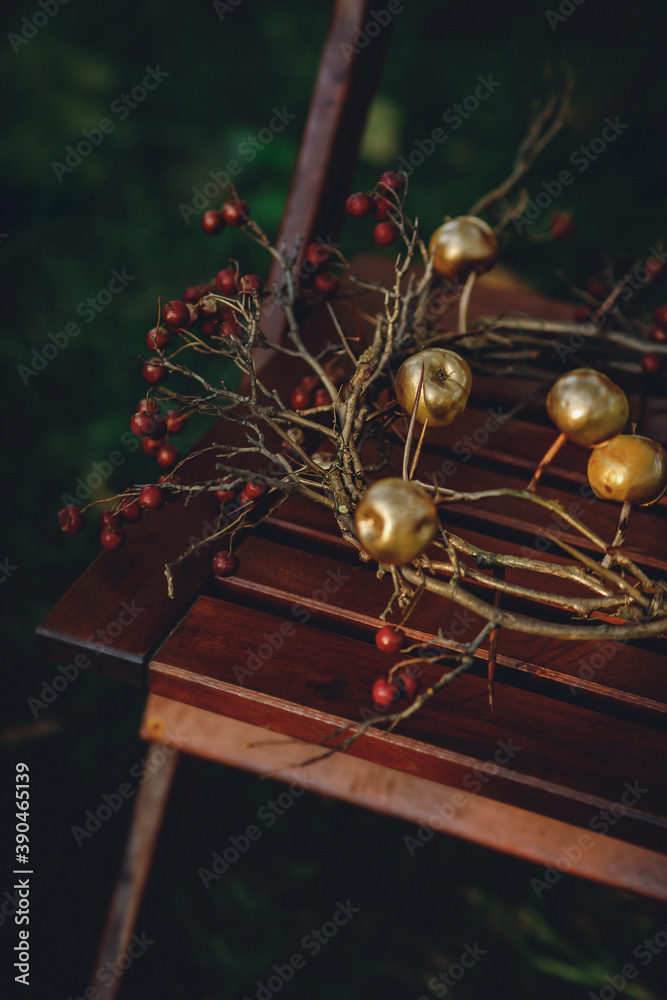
[
  {"x": 308, "y": 686},
  {"x": 275, "y": 578},
  {"x": 425, "y": 803}
]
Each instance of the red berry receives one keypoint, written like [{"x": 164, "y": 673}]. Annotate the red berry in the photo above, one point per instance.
[
  {"x": 154, "y": 372},
  {"x": 385, "y": 233},
  {"x": 381, "y": 207},
  {"x": 157, "y": 339},
  {"x": 71, "y": 520},
  {"x": 106, "y": 520},
  {"x": 168, "y": 456},
  {"x": 147, "y": 406},
  {"x": 597, "y": 289},
  {"x": 224, "y": 495},
  {"x": 167, "y": 480},
  {"x": 389, "y": 639},
  {"x": 193, "y": 294},
  {"x": 254, "y": 490},
  {"x": 235, "y": 212},
  {"x": 151, "y": 446},
  {"x": 651, "y": 363},
  {"x": 562, "y": 227},
  {"x": 317, "y": 253},
  {"x": 245, "y": 500},
  {"x": 112, "y": 538},
  {"x": 391, "y": 180},
  {"x": 176, "y": 421},
  {"x": 658, "y": 335},
  {"x": 309, "y": 382},
  {"x": 210, "y": 327},
  {"x": 660, "y": 315},
  {"x": 407, "y": 683},
  {"x": 176, "y": 314},
  {"x": 385, "y": 693},
  {"x": 582, "y": 314},
  {"x": 300, "y": 398},
  {"x": 148, "y": 425},
  {"x": 213, "y": 222},
  {"x": 322, "y": 397},
  {"x": 224, "y": 565},
  {"x": 229, "y": 326},
  {"x": 131, "y": 511},
  {"x": 151, "y": 498},
  {"x": 359, "y": 205},
  {"x": 250, "y": 283},
  {"x": 225, "y": 281},
  {"x": 326, "y": 283}
]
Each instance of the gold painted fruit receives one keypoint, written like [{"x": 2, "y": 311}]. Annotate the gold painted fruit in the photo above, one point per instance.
[
  {"x": 587, "y": 406},
  {"x": 445, "y": 389},
  {"x": 461, "y": 245},
  {"x": 395, "y": 522},
  {"x": 629, "y": 468}
]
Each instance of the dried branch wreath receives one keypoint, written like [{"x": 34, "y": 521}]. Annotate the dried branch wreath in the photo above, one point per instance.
[{"x": 364, "y": 392}]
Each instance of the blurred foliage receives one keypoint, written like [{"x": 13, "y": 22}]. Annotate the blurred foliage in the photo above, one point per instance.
[{"x": 120, "y": 209}]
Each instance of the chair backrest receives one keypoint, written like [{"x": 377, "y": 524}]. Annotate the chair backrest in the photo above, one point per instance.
[{"x": 346, "y": 81}]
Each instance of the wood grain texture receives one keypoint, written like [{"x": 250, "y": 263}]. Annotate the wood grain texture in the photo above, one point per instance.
[{"x": 446, "y": 809}]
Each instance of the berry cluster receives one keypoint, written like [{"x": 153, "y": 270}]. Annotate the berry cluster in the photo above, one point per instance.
[
  {"x": 128, "y": 510},
  {"x": 234, "y": 212},
  {"x": 153, "y": 427},
  {"x": 379, "y": 204},
  {"x": 310, "y": 391},
  {"x": 387, "y": 691}
]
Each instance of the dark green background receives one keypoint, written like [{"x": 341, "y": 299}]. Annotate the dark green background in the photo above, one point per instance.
[{"x": 119, "y": 209}]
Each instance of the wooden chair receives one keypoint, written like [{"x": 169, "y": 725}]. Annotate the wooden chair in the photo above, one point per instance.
[{"x": 575, "y": 733}]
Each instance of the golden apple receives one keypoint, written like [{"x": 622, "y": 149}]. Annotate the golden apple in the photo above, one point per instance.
[
  {"x": 587, "y": 406},
  {"x": 629, "y": 468},
  {"x": 395, "y": 521},
  {"x": 461, "y": 245},
  {"x": 445, "y": 389}
]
